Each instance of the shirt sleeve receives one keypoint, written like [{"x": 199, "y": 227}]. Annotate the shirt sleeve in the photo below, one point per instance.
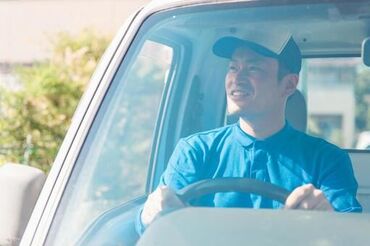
[
  {"x": 184, "y": 167},
  {"x": 139, "y": 226},
  {"x": 338, "y": 182}
]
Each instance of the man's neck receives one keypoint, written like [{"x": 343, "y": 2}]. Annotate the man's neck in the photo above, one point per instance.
[{"x": 261, "y": 129}]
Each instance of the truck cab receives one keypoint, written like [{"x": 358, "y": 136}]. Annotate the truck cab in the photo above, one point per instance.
[{"x": 159, "y": 81}]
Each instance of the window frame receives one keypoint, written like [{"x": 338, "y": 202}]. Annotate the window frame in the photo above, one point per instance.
[{"x": 124, "y": 66}]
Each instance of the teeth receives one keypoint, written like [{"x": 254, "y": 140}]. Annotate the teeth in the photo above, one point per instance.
[{"x": 238, "y": 93}]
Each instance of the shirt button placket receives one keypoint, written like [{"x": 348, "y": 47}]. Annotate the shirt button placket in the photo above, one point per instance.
[
  {"x": 259, "y": 161},
  {"x": 258, "y": 169}
]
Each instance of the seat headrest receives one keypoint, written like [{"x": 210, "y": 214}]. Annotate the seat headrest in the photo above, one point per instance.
[{"x": 296, "y": 111}]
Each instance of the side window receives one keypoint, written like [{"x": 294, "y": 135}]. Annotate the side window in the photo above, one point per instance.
[
  {"x": 112, "y": 166},
  {"x": 337, "y": 91}
]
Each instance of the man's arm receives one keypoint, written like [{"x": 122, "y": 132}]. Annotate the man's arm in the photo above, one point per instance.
[
  {"x": 337, "y": 187},
  {"x": 182, "y": 169},
  {"x": 162, "y": 199}
]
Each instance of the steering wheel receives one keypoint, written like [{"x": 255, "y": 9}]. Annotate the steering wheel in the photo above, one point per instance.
[{"x": 243, "y": 185}]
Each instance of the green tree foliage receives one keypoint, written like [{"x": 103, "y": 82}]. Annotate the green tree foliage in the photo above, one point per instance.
[{"x": 34, "y": 118}]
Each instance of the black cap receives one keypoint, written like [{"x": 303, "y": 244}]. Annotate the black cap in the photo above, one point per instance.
[{"x": 283, "y": 48}]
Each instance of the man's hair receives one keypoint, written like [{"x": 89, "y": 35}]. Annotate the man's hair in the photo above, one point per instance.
[{"x": 283, "y": 70}]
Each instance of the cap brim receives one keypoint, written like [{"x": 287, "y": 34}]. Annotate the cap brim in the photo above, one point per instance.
[
  {"x": 285, "y": 50},
  {"x": 225, "y": 47}
]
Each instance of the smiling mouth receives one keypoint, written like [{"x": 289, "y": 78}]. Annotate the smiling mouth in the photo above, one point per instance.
[{"x": 239, "y": 93}]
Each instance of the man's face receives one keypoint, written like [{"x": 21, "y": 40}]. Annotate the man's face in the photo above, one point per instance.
[{"x": 252, "y": 84}]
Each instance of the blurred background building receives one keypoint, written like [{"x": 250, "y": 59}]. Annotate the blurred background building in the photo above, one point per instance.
[{"x": 28, "y": 26}]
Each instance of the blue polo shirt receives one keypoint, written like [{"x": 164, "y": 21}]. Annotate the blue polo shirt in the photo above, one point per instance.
[{"x": 289, "y": 159}]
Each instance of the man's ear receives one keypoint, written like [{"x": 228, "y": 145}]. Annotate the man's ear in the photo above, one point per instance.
[{"x": 289, "y": 82}]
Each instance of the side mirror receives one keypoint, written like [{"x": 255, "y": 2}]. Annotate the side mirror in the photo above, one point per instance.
[
  {"x": 20, "y": 186},
  {"x": 365, "y": 52}
]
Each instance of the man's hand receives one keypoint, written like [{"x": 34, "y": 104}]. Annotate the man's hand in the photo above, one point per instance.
[
  {"x": 162, "y": 199},
  {"x": 309, "y": 198}
]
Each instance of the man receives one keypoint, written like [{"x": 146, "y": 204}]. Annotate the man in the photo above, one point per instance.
[{"x": 262, "y": 74}]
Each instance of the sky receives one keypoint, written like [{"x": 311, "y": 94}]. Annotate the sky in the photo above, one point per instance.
[{"x": 26, "y": 26}]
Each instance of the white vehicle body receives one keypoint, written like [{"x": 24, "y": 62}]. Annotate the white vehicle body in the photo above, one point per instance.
[{"x": 190, "y": 101}]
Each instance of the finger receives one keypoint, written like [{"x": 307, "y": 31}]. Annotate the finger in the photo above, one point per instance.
[
  {"x": 315, "y": 201},
  {"x": 152, "y": 206},
  {"x": 323, "y": 204},
  {"x": 311, "y": 201},
  {"x": 170, "y": 199},
  {"x": 148, "y": 213},
  {"x": 166, "y": 201},
  {"x": 298, "y": 195}
]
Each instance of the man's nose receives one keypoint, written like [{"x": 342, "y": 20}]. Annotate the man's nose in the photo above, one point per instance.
[{"x": 242, "y": 74}]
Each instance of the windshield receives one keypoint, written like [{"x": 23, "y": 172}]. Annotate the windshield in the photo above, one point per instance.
[{"x": 170, "y": 85}]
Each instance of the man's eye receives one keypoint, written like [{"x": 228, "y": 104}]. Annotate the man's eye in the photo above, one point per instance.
[
  {"x": 254, "y": 69},
  {"x": 233, "y": 68}
]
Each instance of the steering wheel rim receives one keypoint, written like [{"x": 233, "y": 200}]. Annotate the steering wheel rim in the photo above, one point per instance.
[{"x": 243, "y": 185}]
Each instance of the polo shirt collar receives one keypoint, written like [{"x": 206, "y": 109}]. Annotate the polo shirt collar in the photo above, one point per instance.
[{"x": 247, "y": 140}]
